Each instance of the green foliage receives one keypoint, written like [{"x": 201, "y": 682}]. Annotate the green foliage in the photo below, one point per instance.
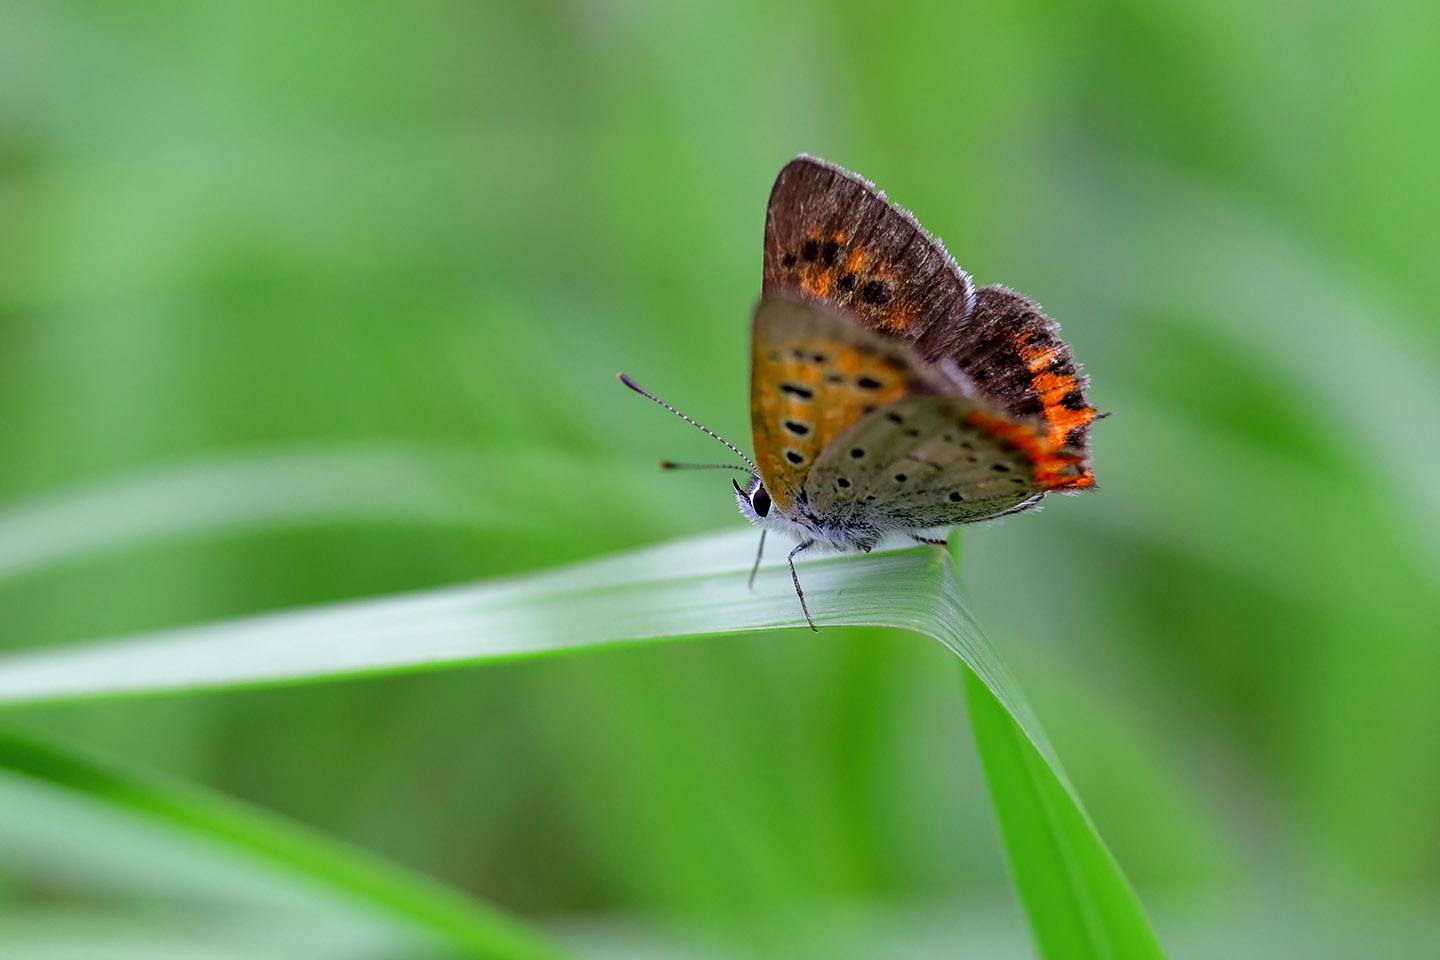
[
  {"x": 242, "y": 834},
  {"x": 1079, "y": 903},
  {"x": 300, "y": 306}
]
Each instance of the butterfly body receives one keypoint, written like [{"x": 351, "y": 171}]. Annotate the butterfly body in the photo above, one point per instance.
[{"x": 888, "y": 396}]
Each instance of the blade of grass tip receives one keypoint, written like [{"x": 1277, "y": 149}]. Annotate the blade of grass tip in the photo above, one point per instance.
[
  {"x": 686, "y": 588},
  {"x": 454, "y": 919},
  {"x": 1077, "y": 900}
]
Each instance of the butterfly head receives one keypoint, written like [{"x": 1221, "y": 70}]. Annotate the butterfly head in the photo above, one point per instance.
[{"x": 753, "y": 500}]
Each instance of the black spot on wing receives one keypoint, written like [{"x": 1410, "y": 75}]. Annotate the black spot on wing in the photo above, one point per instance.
[{"x": 875, "y": 292}]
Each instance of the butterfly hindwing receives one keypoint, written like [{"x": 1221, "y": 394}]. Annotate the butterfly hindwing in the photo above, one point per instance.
[
  {"x": 934, "y": 461},
  {"x": 814, "y": 373},
  {"x": 1013, "y": 354},
  {"x": 831, "y": 236}
]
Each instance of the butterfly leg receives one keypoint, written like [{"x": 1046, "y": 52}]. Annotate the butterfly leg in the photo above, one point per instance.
[
  {"x": 758, "y": 554},
  {"x": 930, "y": 540},
  {"x": 803, "y": 544}
]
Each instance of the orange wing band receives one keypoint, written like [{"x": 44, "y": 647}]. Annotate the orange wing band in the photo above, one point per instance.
[{"x": 1053, "y": 468}]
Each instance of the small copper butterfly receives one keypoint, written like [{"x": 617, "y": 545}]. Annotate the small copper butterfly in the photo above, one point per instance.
[{"x": 888, "y": 396}]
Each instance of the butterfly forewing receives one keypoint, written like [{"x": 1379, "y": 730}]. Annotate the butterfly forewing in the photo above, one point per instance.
[
  {"x": 831, "y": 236},
  {"x": 815, "y": 373}
]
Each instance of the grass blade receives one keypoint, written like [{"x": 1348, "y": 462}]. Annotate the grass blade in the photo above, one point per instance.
[
  {"x": 1079, "y": 902},
  {"x": 685, "y": 588},
  {"x": 453, "y": 919}
]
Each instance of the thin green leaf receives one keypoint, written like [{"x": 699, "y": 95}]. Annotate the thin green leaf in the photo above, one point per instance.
[
  {"x": 1078, "y": 901},
  {"x": 685, "y": 588},
  {"x": 285, "y": 847}
]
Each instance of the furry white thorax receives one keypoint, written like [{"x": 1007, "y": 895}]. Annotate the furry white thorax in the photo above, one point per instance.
[{"x": 801, "y": 527}]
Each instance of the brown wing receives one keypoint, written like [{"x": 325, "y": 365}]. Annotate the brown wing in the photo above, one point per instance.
[
  {"x": 831, "y": 236},
  {"x": 926, "y": 462},
  {"x": 1013, "y": 354},
  {"x": 813, "y": 374}
]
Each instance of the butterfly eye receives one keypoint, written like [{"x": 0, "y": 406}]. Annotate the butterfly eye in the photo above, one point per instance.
[{"x": 760, "y": 500}]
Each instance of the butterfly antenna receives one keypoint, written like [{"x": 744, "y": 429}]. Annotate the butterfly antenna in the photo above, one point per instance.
[
  {"x": 672, "y": 465},
  {"x": 694, "y": 423}
]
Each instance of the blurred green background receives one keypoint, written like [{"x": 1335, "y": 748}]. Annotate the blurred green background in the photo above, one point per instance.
[{"x": 360, "y": 275}]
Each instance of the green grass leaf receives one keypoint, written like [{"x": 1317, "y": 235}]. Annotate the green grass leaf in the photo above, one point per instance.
[
  {"x": 288, "y": 849},
  {"x": 1078, "y": 901}
]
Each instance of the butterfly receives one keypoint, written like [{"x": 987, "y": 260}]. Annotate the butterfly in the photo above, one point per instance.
[{"x": 888, "y": 396}]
